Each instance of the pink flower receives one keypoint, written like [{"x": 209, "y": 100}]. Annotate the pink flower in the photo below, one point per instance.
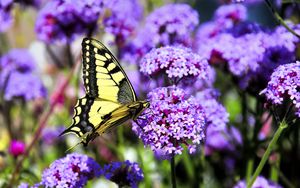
[{"x": 16, "y": 148}]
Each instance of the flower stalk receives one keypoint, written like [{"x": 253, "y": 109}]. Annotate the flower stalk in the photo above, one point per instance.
[
  {"x": 283, "y": 125},
  {"x": 173, "y": 175}
]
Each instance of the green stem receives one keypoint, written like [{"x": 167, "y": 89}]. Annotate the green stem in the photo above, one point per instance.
[
  {"x": 279, "y": 19},
  {"x": 249, "y": 169},
  {"x": 188, "y": 166},
  {"x": 283, "y": 125},
  {"x": 173, "y": 176}
]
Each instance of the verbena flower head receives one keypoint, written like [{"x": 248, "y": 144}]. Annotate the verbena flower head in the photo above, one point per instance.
[
  {"x": 5, "y": 14},
  {"x": 16, "y": 71},
  {"x": 62, "y": 20},
  {"x": 231, "y": 14},
  {"x": 123, "y": 19},
  {"x": 250, "y": 53},
  {"x": 260, "y": 182},
  {"x": 272, "y": 58},
  {"x": 171, "y": 122},
  {"x": 175, "y": 62},
  {"x": 15, "y": 60},
  {"x": 285, "y": 38},
  {"x": 216, "y": 114},
  {"x": 50, "y": 135},
  {"x": 285, "y": 84},
  {"x": 225, "y": 139},
  {"x": 225, "y": 17},
  {"x": 24, "y": 85},
  {"x": 172, "y": 24},
  {"x": 16, "y": 148},
  {"x": 206, "y": 31},
  {"x": 168, "y": 25},
  {"x": 74, "y": 170},
  {"x": 123, "y": 173}
]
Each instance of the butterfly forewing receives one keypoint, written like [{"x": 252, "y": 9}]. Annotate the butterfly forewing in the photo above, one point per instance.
[{"x": 102, "y": 74}]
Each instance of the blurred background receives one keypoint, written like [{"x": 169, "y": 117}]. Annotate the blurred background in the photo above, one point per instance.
[{"x": 40, "y": 82}]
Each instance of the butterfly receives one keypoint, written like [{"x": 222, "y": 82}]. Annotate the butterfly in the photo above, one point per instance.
[{"x": 110, "y": 99}]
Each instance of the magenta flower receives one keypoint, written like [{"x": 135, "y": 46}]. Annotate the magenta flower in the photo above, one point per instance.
[{"x": 16, "y": 148}]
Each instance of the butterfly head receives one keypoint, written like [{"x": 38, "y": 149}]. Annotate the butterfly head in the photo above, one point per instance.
[{"x": 146, "y": 104}]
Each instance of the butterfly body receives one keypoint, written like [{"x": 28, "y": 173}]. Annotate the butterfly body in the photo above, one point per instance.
[{"x": 110, "y": 98}]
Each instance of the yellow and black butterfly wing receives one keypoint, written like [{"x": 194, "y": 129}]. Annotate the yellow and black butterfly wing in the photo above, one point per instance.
[
  {"x": 89, "y": 113},
  {"x": 109, "y": 94},
  {"x": 103, "y": 76}
]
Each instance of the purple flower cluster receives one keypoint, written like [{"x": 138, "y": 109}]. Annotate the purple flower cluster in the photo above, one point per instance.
[
  {"x": 168, "y": 25},
  {"x": 171, "y": 122},
  {"x": 5, "y": 15},
  {"x": 231, "y": 14},
  {"x": 222, "y": 139},
  {"x": 285, "y": 84},
  {"x": 17, "y": 78},
  {"x": 260, "y": 182},
  {"x": 175, "y": 62},
  {"x": 219, "y": 136},
  {"x": 62, "y": 20},
  {"x": 251, "y": 55},
  {"x": 124, "y": 18},
  {"x": 172, "y": 24},
  {"x": 225, "y": 17},
  {"x": 74, "y": 170},
  {"x": 123, "y": 173},
  {"x": 248, "y": 51},
  {"x": 50, "y": 135}
]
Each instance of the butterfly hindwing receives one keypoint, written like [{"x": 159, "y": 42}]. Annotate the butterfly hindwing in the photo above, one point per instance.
[{"x": 102, "y": 74}]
